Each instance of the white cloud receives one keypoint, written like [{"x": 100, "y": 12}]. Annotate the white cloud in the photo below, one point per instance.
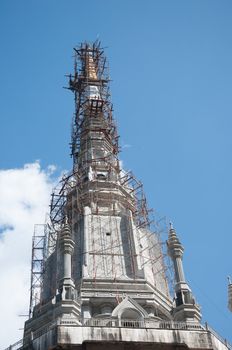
[
  {"x": 126, "y": 145},
  {"x": 24, "y": 199}
]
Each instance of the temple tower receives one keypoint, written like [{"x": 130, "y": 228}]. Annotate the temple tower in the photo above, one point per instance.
[
  {"x": 102, "y": 279},
  {"x": 103, "y": 249}
]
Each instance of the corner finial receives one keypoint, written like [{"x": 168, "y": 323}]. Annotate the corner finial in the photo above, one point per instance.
[
  {"x": 66, "y": 228},
  {"x": 66, "y": 220},
  {"x": 229, "y": 280}
]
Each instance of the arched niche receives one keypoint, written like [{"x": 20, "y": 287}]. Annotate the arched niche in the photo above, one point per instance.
[{"x": 129, "y": 313}]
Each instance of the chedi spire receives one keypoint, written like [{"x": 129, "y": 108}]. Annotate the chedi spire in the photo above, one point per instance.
[{"x": 100, "y": 280}]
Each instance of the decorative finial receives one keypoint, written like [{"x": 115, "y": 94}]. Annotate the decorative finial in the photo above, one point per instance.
[
  {"x": 90, "y": 67},
  {"x": 66, "y": 220},
  {"x": 171, "y": 225},
  {"x": 229, "y": 280},
  {"x": 66, "y": 228}
]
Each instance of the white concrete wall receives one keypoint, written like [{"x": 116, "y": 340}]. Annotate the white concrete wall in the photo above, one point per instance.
[
  {"x": 108, "y": 248},
  {"x": 193, "y": 339},
  {"x": 151, "y": 260}
]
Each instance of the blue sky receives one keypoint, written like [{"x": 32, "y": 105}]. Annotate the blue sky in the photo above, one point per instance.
[{"x": 170, "y": 64}]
